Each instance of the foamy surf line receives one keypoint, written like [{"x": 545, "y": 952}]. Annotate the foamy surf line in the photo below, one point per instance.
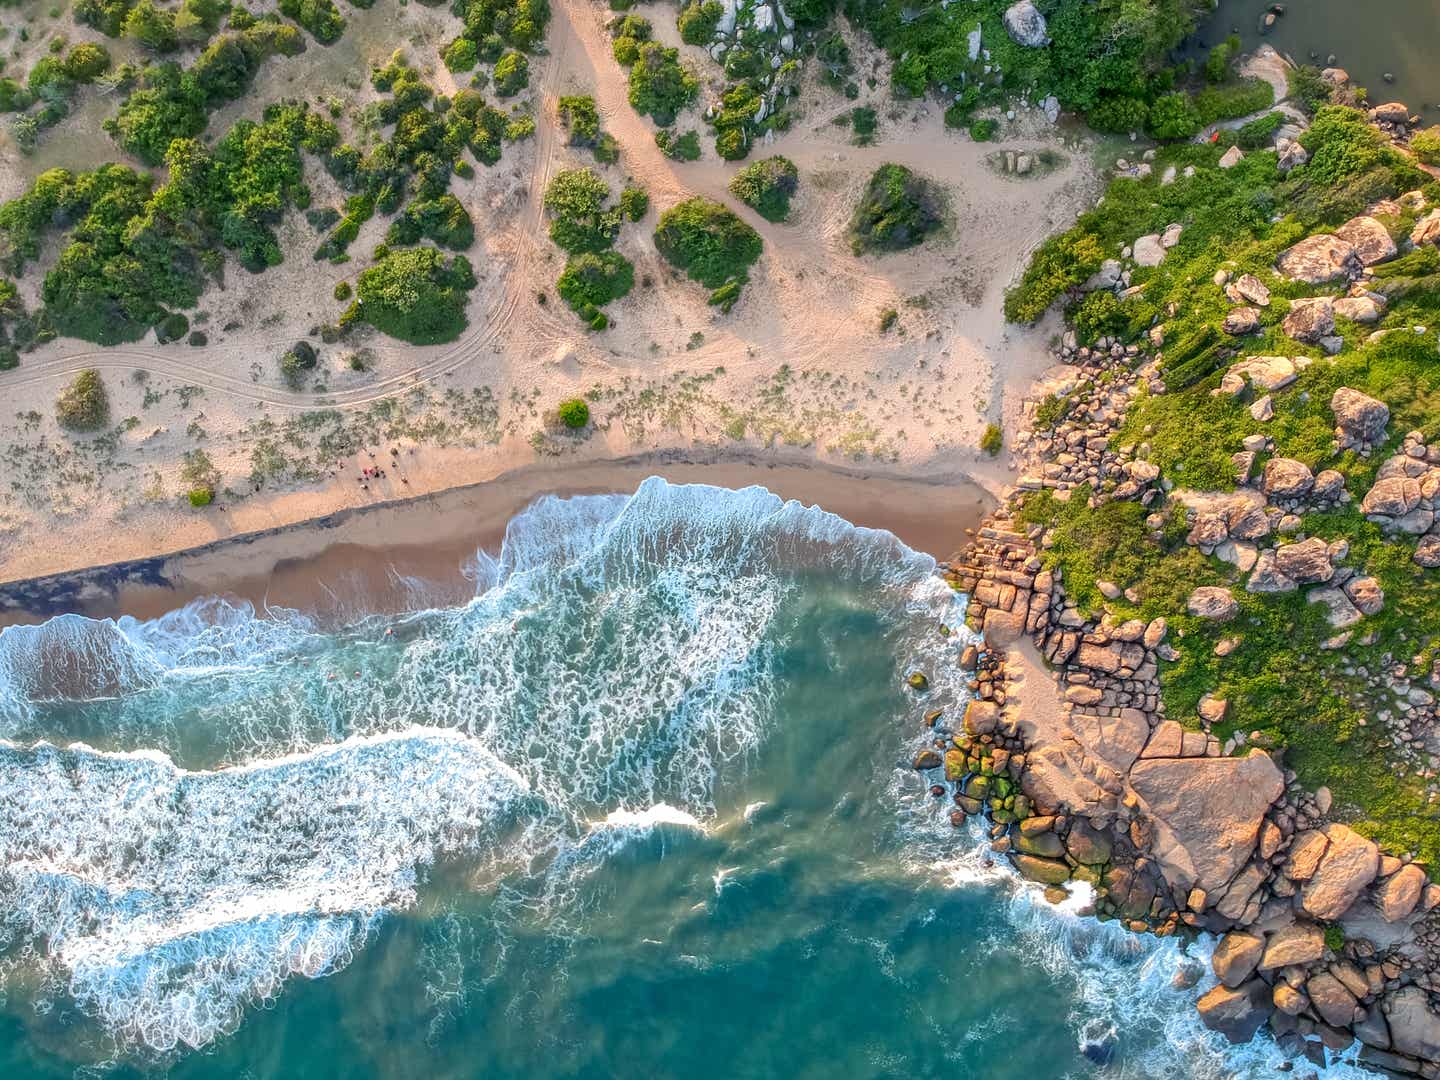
[
  {"x": 618, "y": 659},
  {"x": 173, "y": 899}
]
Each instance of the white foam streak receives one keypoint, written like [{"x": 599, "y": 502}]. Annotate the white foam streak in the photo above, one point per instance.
[{"x": 173, "y": 898}]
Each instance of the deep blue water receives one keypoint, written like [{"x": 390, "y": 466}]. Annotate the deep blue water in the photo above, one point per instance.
[{"x": 638, "y": 809}]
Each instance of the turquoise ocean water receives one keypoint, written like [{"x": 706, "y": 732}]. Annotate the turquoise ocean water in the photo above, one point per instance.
[{"x": 638, "y": 809}]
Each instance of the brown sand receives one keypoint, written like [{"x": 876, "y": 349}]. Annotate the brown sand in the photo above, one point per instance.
[{"x": 375, "y": 558}]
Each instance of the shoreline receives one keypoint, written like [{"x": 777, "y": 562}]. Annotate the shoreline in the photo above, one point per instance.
[{"x": 375, "y": 557}]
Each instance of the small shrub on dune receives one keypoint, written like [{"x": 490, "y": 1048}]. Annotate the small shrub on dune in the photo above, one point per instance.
[{"x": 83, "y": 405}]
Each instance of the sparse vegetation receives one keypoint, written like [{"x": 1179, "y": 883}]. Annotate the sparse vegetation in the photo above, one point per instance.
[
  {"x": 898, "y": 210},
  {"x": 767, "y": 187},
  {"x": 83, "y": 405}
]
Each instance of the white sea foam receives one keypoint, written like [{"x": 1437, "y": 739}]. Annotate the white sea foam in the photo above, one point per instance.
[{"x": 172, "y": 899}]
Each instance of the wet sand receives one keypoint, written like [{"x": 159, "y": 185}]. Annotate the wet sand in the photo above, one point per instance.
[{"x": 393, "y": 555}]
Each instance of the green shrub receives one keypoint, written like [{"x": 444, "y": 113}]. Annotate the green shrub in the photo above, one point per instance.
[
  {"x": 1217, "y": 64},
  {"x": 321, "y": 17},
  {"x": 898, "y": 210},
  {"x": 1063, "y": 262},
  {"x": 607, "y": 150},
  {"x": 684, "y": 147},
  {"x": 342, "y": 290},
  {"x": 461, "y": 55},
  {"x": 512, "y": 74},
  {"x": 574, "y": 413},
  {"x": 726, "y": 296},
  {"x": 592, "y": 279},
  {"x": 83, "y": 405},
  {"x": 580, "y": 221},
  {"x": 708, "y": 241},
  {"x": 634, "y": 203},
  {"x": 1425, "y": 145},
  {"x": 443, "y": 220},
  {"x": 1257, "y": 134},
  {"x": 1121, "y": 115},
  {"x": 767, "y": 187},
  {"x": 172, "y": 328},
  {"x": 1247, "y": 96},
  {"x": 415, "y": 295},
  {"x": 581, "y": 119},
  {"x": 198, "y": 339},
  {"x": 863, "y": 122},
  {"x": 152, "y": 27},
  {"x": 1308, "y": 88},
  {"x": 732, "y": 144},
  {"x": 201, "y": 496},
  {"x": 660, "y": 85},
  {"x": 296, "y": 361},
  {"x": 107, "y": 16},
  {"x": 697, "y": 21},
  {"x": 86, "y": 61},
  {"x": 984, "y": 130},
  {"x": 888, "y": 318},
  {"x": 992, "y": 440},
  {"x": 630, "y": 32},
  {"x": 1173, "y": 117}
]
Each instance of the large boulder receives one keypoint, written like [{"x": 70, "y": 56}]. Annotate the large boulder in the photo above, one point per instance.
[
  {"x": 1234, "y": 959},
  {"x": 1398, "y": 894},
  {"x": 1212, "y": 602},
  {"x": 1025, "y": 25},
  {"x": 1306, "y": 562},
  {"x": 1370, "y": 239},
  {"x": 1427, "y": 230},
  {"x": 1241, "y": 321},
  {"x": 1298, "y": 943},
  {"x": 1359, "y": 418},
  {"x": 1286, "y": 478},
  {"x": 1330, "y": 998},
  {"x": 1349, "y": 864},
  {"x": 1361, "y": 309},
  {"x": 1320, "y": 259},
  {"x": 1414, "y": 1026},
  {"x": 1394, "y": 496},
  {"x": 1238, "y": 1012},
  {"x": 1310, "y": 319},
  {"x": 1249, "y": 287},
  {"x": 1265, "y": 373},
  {"x": 1207, "y": 814},
  {"x": 1366, "y": 594},
  {"x": 1266, "y": 576},
  {"x": 1042, "y": 870},
  {"x": 1148, "y": 250}
]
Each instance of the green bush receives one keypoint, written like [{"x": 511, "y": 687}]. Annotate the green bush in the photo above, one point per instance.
[
  {"x": 984, "y": 130},
  {"x": 443, "y": 220},
  {"x": 201, "y": 496},
  {"x": 1098, "y": 315},
  {"x": 107, "y": 16},
  {"x": 888, "y": 317},
  {"x": 698, "y": 21},
  {"x": 1258, "y": 133},
  {"x": 592, "y": 279},
  {"x": 992, "y": 440},
  {"x": 767, "y": 187},
  {"x": 1120, "y": 115},
  {"x": 1063, "y": 262},
  {"x": 512, "y": 74},
  {"x": 684, "y": 147},
  {"x": 1174, "y": 116},
  {"x": 83, "y": 405},
  {"x": 660, "y": 85},
  {"x": 634, "y": 203},
  {"x": 321, "y": 17},
  {"x": 152, "y": 27},
  {"x": 863, "y": 122},
  {"x": 708, "y": 241},
  {"x": 86, "y": 61},
  {"x": 574, "y": 413},
  {"x": 581, "y": 119},
  {"x": 580, "y": 221},
  {"x": 898, "y": 210},
  {"x": 172, "y": 328},
  {"x": 1216, "y": 103},
  {"x": 1217, "y": 64},
  {"x": 1308, "y": 88},
  {"x": 1425, "y": 145},
  {"x": 296, "y": 361},
  {"x": 731, "y": 144},
  {"x": 342, "y": 290},
  {"x": 607, "y": 150},
  {"x": 415, "y": 295},
  {"x": 461, "y": 55}
]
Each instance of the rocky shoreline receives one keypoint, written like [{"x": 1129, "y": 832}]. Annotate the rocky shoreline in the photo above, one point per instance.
[{"x": 1325, "y": 939}]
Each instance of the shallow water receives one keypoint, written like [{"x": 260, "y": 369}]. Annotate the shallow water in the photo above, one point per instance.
[
  {"x": 638, "y": 809},
  {"x": 1401, "y": 37}
]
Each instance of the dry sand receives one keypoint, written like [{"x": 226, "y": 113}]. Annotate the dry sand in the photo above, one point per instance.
[{"x": 797, "y": 371}]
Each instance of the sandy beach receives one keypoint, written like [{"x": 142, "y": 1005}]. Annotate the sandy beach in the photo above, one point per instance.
[{"x": 398, "y": 554}]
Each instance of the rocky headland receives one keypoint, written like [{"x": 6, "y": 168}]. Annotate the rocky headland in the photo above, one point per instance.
[{"x": 1192, "y": 495}]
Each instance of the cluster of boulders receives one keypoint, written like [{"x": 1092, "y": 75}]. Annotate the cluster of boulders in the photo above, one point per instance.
[
  {"x": 765, "y": 28},
  {"x": 1405, "y": 497}
]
